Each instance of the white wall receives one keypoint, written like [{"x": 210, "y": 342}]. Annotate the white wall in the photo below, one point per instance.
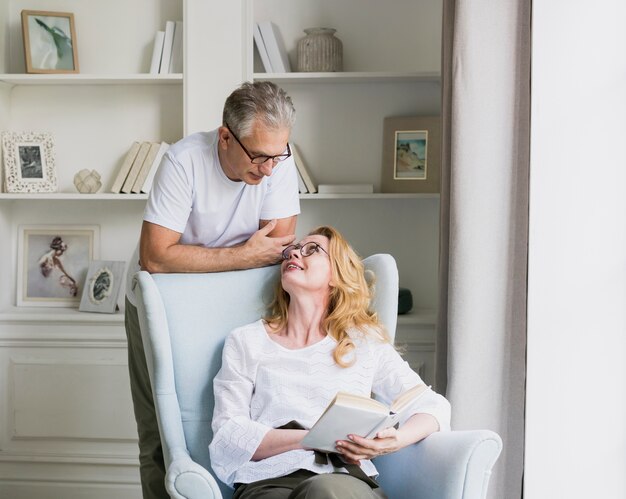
[{"x": 576, "y": 391}]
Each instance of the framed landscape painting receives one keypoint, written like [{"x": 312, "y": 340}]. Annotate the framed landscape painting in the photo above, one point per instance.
[{"x": 411, "y": 154}]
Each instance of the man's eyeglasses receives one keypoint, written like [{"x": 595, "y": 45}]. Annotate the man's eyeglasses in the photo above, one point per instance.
[
  {"x": 306, "y": 249},
  {"x": 259, "y": 160}
]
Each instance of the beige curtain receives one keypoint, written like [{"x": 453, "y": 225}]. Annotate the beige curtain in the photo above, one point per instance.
[{"x": 484, "y": 215}]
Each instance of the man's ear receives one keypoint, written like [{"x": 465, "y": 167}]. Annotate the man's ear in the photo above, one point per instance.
[{"x": 223, "y": 136}]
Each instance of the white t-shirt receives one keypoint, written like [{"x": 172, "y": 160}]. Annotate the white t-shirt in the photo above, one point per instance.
[
  {"x": 263, "y": 385},
  {"x": 192, "y": 195}
]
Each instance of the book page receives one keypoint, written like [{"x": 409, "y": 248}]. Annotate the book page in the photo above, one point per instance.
[
  {"x": 407, "y": 397},
  {"x": 360, "y": 402}
]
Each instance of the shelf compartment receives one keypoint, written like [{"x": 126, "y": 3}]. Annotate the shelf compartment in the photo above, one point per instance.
[
  {"x": 72, "y": 196},
  {"x": 376, "y": 195},
  {"x": 45, "y": 315},
  {"x": 91, "y": 79},
  {"x": 350, "y": 77}
]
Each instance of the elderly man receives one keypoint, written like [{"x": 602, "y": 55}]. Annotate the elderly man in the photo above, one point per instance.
[{"x": 221, "y": 200}]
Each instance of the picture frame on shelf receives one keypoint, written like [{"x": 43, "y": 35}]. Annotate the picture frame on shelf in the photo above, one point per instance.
[
  {"x": 49, "y": 42},
  {"x": 102, "y": 286},
  {"x": 411, "y": 154},
  {"x": 29, "y": 162},
  {"x": 53, "y": 261}
]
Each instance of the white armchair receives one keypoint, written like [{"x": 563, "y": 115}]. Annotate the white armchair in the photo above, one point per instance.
[{"x": 184, "y": 320}]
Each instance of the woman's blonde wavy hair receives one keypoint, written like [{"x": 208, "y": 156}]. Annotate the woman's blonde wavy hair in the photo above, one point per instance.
[{"x": 348, "y": 306}]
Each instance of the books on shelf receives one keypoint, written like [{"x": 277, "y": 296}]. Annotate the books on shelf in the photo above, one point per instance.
[
  {"x": 157, "y": 50},
  {"x": 276, "y": 51},
  {"x": 147, "y": 183},
  {"x": 144, "y": 148},
  {"x": 355, "y": 414},
  {"x": 303, "y": 171},
  {"x": 125, "y": 168},
  {"x": 145, "y": 166},
  {"x": 345, "y": 188},
  {"x": 167, "y": 52},
  {"x": 138, "y": 168},
  {"x": 260, "y": 45}
]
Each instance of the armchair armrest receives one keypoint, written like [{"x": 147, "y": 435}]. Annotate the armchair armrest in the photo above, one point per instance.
[
  {"x": 446, "y": 465},
  {"x": 185, "y": 479}
]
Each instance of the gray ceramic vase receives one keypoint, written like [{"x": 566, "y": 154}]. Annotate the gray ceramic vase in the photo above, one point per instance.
[{"x": 320, "y": 51}]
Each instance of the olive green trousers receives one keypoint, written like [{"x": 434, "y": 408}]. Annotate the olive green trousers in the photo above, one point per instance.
[
  {"x": 151, "y": 464},
  {"x": 304, "y": 484}
]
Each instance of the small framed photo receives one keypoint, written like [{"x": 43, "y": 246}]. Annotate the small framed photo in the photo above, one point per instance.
[
  {"x": 28, "y": 162},
  {"x": 52, "y": 263},
  {"x": 49, "y": 42},
  {"x": 411, "y": 154},
  {"x": 102, "y": 286}
]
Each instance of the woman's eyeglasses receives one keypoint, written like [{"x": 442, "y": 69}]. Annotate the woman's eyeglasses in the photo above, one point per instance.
[{"x": 306, "y": 249}]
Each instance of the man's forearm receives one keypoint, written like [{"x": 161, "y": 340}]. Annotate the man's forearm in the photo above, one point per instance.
[{"x": 188, "y": 258}]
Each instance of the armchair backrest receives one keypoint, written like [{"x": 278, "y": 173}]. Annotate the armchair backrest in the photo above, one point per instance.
[{"x": 185, "y": 319}]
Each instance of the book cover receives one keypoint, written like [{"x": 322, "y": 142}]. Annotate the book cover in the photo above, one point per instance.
[
  {"x": 176, "y": 61},
  {"x": 147, "y": 185},
  {"x": 345, "y": 188},
  {"x": 125, "y": 168},
  {"x": 145, "y": 167},
  {"x": 354, "y": 414},
  {"x": 275, "y": 47},
  {"x": 157, "y": 51},
  {"x": 303, "y": 170},
  {"x": 260, "y": 45},
  {"x": 136, "y": 167},
  {"x": 168, "y": 42}
]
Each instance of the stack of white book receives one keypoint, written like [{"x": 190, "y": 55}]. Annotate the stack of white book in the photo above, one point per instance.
[
  {"x": 138, "y": 168},
  {"x": 271, "y": 48},
  {"x": 167, "y": 53}
]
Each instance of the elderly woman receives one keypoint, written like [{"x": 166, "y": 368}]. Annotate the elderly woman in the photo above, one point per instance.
[{"x": 319, "y": 338}]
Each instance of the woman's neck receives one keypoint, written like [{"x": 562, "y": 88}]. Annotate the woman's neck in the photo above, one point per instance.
[{"x": 304, "y": 326}]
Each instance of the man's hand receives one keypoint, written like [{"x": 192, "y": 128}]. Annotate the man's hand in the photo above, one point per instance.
[{"x": 262, "y": 249}]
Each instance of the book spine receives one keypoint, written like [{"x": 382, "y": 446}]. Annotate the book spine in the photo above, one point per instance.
[
  {"x": 157, "y": 51},
  {"x": 260, "y": 45},
  {"x": 176, "y": 64},
  {"x": 273, "y": 49},
  {"x": 147, "y": 185},
  {"x": 168, "y": 41}
]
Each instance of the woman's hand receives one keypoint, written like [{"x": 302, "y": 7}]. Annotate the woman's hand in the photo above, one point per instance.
[
  {"x": 416, "y": 428},
  {"x": 357, "y": 448}
]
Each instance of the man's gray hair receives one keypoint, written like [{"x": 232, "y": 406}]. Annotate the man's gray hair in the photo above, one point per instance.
[{"x": 261, "y": 100}]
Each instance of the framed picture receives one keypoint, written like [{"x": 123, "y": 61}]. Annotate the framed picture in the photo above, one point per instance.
[
  {"x": 52, "y": 263},
  {"x": 49, "y": 42},
  {"x": 102, "y": 286},
  {"x": 28, "y": 162},
  {"x": 411, "y": 154}
]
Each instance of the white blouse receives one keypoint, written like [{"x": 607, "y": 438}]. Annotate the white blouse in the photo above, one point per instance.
[{"x": 263, "y": 385}]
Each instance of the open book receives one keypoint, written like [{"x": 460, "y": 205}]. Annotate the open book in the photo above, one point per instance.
[{"x": 357, "y": 415}]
